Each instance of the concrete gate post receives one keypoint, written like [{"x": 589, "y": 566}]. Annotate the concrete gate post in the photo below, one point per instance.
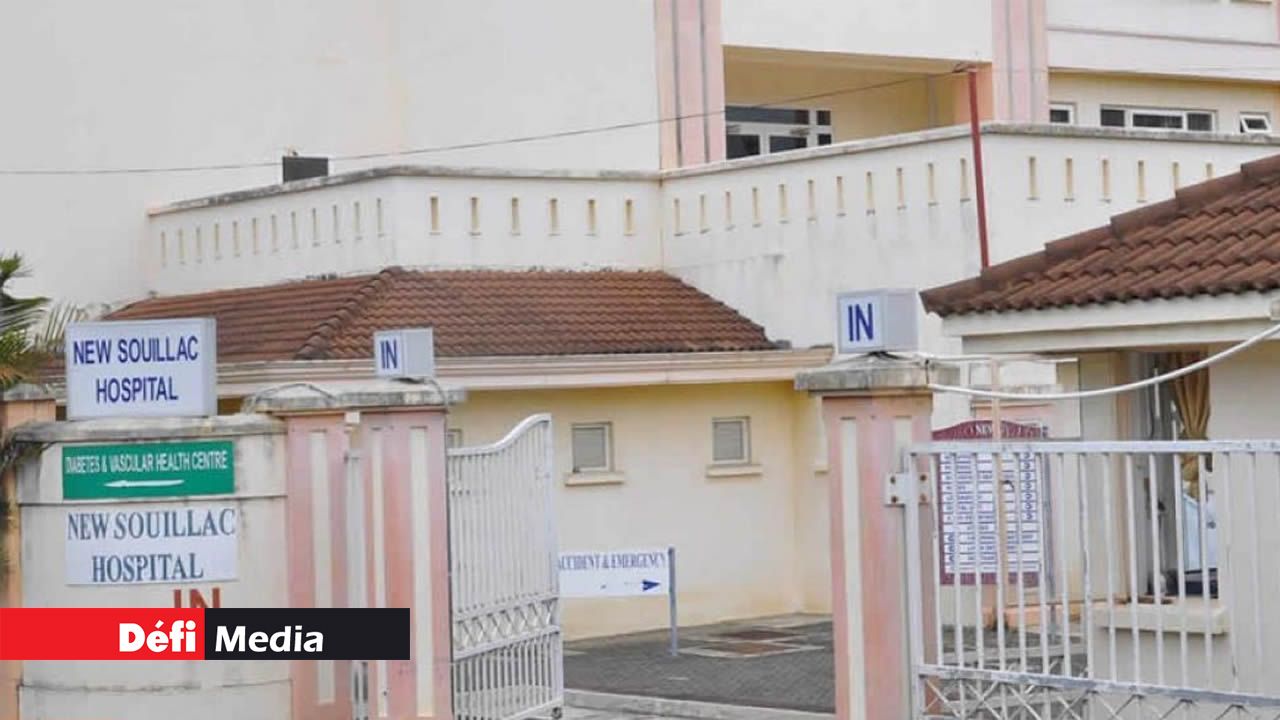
[
  {"x": 367, "y": 527},
  {"x": 19, "y": 405},
  {"x": 71, "y": 556},
  {"x": 872, "y": 409}
]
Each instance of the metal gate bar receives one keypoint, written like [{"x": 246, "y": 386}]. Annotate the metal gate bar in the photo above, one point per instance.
[
  {"x": 507, "y": 646},
  {"x": 1096, "y": 545}
]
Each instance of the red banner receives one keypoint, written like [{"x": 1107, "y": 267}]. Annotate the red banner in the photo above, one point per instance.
[
  {"x": 205, "y": 634},
  {"x": 101, "y": 633}
]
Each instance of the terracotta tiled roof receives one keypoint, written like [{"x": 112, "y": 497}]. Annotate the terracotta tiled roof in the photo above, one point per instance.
[
  {"x": 1220, "y": 236},
  {"x": 474, "y": 313}
]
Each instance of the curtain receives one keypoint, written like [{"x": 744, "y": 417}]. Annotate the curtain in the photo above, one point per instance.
[{"x": 1191, "y": 393}]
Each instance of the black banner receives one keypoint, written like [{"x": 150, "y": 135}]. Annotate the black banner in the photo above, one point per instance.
[{"x": 306, "y": 633}]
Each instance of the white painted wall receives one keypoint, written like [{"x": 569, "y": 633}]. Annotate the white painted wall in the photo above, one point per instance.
[
  {"x": 1232, "y": 20},
  {"x": 885, "y": 212},
  {"x": 906, "y": 216},
  {"x": 241, "y": 83},
  {"x": 441, "y": 218},
  {"x": 1193, "y": 38},
  {"x": 1140, "y": 168},
  {"x": 140, "y": 85},
  {"x": 846, "y": 224},
  {"x": 496, "y": 69},
  {"x": 157, "y": 689},
  {"x": 959, "y": 29}
]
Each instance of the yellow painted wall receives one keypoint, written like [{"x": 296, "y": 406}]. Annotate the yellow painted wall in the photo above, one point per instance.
[
  {"x": 1090, "y": 91},
  {"x": 746, "y": 546},
  {"x": 812, "y": 511},
  {"x": 912, "y": 102}
]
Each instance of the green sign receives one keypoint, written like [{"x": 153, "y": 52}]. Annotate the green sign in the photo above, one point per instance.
[{"x": 91, "y": 472}]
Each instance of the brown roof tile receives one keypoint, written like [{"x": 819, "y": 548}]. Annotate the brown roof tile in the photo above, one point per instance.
[
  {"x": 1220, "y": 236},
  {"x": 474, "y": 313}
]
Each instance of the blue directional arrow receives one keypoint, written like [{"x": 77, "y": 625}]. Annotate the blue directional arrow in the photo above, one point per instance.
[{"x": 647, "y": 585}]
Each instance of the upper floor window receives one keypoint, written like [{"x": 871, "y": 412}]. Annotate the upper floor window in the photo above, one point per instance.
[
  {"x": 1255, "y": 123},
  {"x": 1062, "y": 113},
  {"x": 759, "y": 130},
  {"x": 1157, "y": 119}
]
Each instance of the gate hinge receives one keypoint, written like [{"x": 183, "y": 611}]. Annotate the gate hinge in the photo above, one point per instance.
[{"x": 897, "y": 486}]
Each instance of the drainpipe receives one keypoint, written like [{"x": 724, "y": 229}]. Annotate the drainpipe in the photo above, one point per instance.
[{"x": 975, "y": 133}]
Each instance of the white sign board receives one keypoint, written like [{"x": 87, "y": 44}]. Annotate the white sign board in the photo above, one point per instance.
[
  {"x": 616, "y": 573},
  {"x": 876, "y": 321},
  {"x": 144, "y": 544},
  {"x": 409, "y": 353},
  {"x": 969, "y": 521},
  {"x": 150, "y": 368}
]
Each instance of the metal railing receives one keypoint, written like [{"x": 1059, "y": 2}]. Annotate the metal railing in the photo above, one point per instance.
[
  {"x": 1122, "y": 579},
  {"x": 507, "y": 646}
]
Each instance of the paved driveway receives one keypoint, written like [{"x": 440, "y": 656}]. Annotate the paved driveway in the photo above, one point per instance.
[{"x": 783, "y": 663}]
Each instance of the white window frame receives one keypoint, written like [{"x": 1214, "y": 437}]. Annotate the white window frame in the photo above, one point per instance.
[
  {"x": 762, "y": 130},
  {"x": 745, "y": 423},
  {"x": 1181, "y": 113},
  {"x": 1070, "y": 107},
  {"x": 1247, "y": 116},
  {"x": 608, "y": 447}
]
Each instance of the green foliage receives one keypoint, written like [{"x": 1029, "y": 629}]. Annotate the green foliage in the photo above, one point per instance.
[
  {"x": 31, "y": 332},
  {"x": 31, "y": 329}
]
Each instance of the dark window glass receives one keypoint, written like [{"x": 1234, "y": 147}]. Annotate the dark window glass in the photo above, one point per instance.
[
  {"x": 824, "y": 117},
  {"x": 1254, "y": 124},
  {"x": 1112, "y": 117},
  {"x": 737, "y": 146},
  {"x": 782, "y": 116},
  {"x": 782, "y": 143},
  {"x": 1151, "y": 120},
  {"x": 1060, "y": 115},
  {"x": 1201, "y": 122},
  {"x": 300, "y": 168},
  {"x": 824, "y": 138}
]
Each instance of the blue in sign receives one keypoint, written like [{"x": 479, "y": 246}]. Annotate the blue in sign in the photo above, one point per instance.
[
  {"x": 409, "y": 352},
  {"x": 861, "y": 322},
  {"x": 389, "y": 354},
  {"x": 877, "y": 321}
]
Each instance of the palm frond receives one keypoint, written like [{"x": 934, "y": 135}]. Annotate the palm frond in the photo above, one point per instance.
[
  {"x": 52, "y": 330},
  {"x": 17, "y": 361},
  {"x": 12, "y": 266},
  {"x": 29, "y": 329},
  {"x": 19, "y": 318}
]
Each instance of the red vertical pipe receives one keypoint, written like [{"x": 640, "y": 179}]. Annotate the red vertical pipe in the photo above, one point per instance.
[{"x": 975, "y": 133}]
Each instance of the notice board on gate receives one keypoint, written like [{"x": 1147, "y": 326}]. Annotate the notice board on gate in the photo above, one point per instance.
[{"x": 968, "y": 524}]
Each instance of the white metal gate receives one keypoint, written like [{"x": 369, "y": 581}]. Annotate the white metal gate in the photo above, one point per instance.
[
  {"x": 1126, "y": 579},
  {"x": 507, "y": 647}
]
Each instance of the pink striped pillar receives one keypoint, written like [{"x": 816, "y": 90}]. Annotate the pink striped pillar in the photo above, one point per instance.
[
  {"x": 387, "y": 537},
  {"x": 1020, "y": 65},
  {"x": 690, "y": 65},
  {"x": 872, "y": 409}
]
